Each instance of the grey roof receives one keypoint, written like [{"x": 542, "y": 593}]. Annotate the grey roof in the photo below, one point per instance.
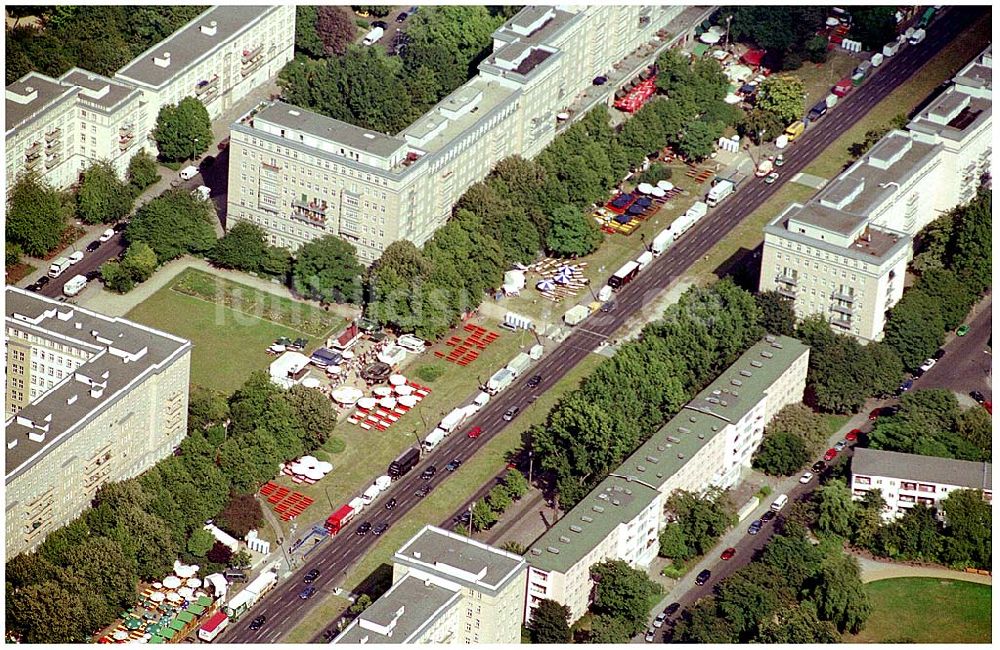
[
  {"x": 46, "y": 92},
  {"x": 515, "y": 43},
  {"x": 408, "y": 609},
  {"x": 929, "y": 469},
  {"x": 460, "y": 559},
  {"x": 874, "y": 245},
  {"x": 327, "y": 128},
  {"x": 665, "y": 452},
  {"x": 70, "y": 405},
  {"x": 189, "y": 44},
  {"x": 99, "y": 90}
]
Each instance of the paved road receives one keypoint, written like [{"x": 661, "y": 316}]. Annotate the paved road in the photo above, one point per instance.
[
  {"x": 966, "y": 364},
  {"x": 283, "y": 608}
]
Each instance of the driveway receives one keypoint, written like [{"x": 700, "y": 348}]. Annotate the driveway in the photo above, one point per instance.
[{"x": 966, "y": 364}]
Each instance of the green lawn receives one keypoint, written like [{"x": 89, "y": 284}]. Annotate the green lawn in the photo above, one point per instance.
[
  {"x": 927, "y": 610},
  {"x": 322, "y": 616},
  {"x": 228, "y": 344}
]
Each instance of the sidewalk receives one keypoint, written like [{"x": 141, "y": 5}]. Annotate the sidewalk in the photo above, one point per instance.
[{"x": 872, "y": 570}]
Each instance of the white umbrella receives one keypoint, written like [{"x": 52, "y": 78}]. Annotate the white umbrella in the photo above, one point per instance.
[
  {"x": 194, "y": 583},
  {"x": 314, "y": 474},
  {"x": 710, "y": 38},
  {"x": 717, "y": 29},
  {"x": 310, "y": 382},
  {"x": 308, "y": 460},
  {"x": 387, "y": 402},
  {"x": 403, "y": 390},
  {"x": 645, "y": 188},
  {"x": 157, "y": 596},
  {"x": 277, "y": 348},
  {"x": 545, "y": 285},
  {"x": 347, "y": 354},
  {"x": 324, "y": 466},
  {"x": 397, "y": 380},
  {"x": 658, "y": 193},
  {"x": 347, "y": 395},
  {"x": 832, "y": 22},
  {"x": 185, "y": 592},
  {"x": 120, "y": 635},
  {"x": 171, "y": 582},
  {"x": 666, "y": 186},
  {"x": 298, "y": 468},
  {"x": 157, "y": 585},
  {"x": 174, "y": 597},
  {"x": 382, "y": 391},
  {"x": 333, "y": 370},
  {"x": 147, "y": 635},
  {"x": 366, "y": 403},
  {"x": 186, "y": 570},
  {"x": 408, "y": 401}
]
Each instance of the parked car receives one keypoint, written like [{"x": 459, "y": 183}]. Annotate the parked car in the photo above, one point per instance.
[
  {"x": 940, "y": 353},
  {"x": 755, "y": 526},
  {"x": 390, "y": 504},
  {"x": 93, "y": 246},
  {"x": 364, "y": 528},
  {"x": 311, "y": 576},
  {"x": 258, "y": 622},
  {"x": 979, "y": 397},
  {"x": 402, "y": 17},
  {"x": 475, "y": 432},
  {"x": 962, "y": 330},
  {"x": 75, "y": 257},
  {"x": 380, "y": 23},
  {"x": 511, "y": 413},
  {"x": 852, "y": 435},
  {"x": 768, "y": 516},
  {"x": 660, "y": 619},
  {"x": 728, "y": 553},
  {"x": 818, "y": 466},
  {"x": 534, "y": 381},
  {"x": 925, "y": 366},
  {"x": 780, "y": 160},
  {"x": 109, "y": 233},
  {"x": 608, "y": 307},
  {"x": 905, "y": 386},
  {"x": 650, "y": 635},
  {"x": 672, "y": 609},
  {"x": 830, "y": 455},
  {"x": 429, "y": 473},
  {"x": 805, "y": 478},
  {"x": 381, "y": 528},
  {"x": 873, "y": 415},
  {"x": 422, "y": 492},
  {"x": 454, "y": 464},
  {"x": 703, "y": 577},
  {"x": 39, "y": 283},
  {"x": 307, "y": 593}
]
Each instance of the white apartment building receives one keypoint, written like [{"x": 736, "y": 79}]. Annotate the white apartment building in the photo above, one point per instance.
[
  {"x": 707, "y": 444},
  {"x": 907, "y": 479},
  {"x": 844, "y": 253},
  {"x": 90, "y": 400},
  {"x": 58, "y": 127},
  {"x": 300, "y": 175},
  {"x": 447, "y": 588}
]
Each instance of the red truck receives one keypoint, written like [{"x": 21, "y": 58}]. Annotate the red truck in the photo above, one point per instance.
[
  {"x": 339, "y": 519},
  {"x": 843, "y": 87}
]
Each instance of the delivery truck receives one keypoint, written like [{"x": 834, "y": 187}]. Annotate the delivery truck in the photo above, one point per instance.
[
  {"x": 684, "y": 222},
  {"x": 454, "y": 419},
  {"x": 661, "y": 242},
  {"x": 433, "y": 439},
  {"x": 576, "y": 315},
  {"x": 249, "y": 596},
  {"x": 60, "y": 265},
  {"x": 189, "y": 172},
  {"x": 374, "y": 36},
  {"x": 644, "y": 260},
  {"x": 501, "y": 379},
  {"x": 624, "y": 275},
  {"x": 213, "y": 627},
  {"x": 918, "y": 37},
  {"x": 74, "y": 285},
  {"x": 404, "y": 462},
  {"x": 519, "y": 364}
]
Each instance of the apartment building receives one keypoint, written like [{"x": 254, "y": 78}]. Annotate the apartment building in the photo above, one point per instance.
[
  {"x": 301, "y": 176},
  {"x": 707, "y": 444},
  {"x": 908, "y": 479},
  {"x": 844, "y": 253},
  {"x": 447, "y": 588},
  {"x": 90, "y": 400},
  {"x": 58, "y": 127}
]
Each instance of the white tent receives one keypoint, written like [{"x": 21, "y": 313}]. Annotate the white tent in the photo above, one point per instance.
[
  {"x": 347, "y": 354},
  {"x": 513, "y": 281},
  {"x": 392, "y": 355},
  {"x": 382, "y": 391},
  {"x": 194, "y": 583},
  {"x": 347, "y": 395},
  {"x": 404, "y": 390},
  {"x": 710, "y": 38},
  {"x": 397, "y": 380},
  {"x": 174, "y": 597},
  {"x": 288, "y": 364},
  {"x": 645, "y": 188},
  {"x": 333, "y": 370},
  {"x": 308, "y": 460},
  {"x": 387, "y": 402},
  {"x": 310, "y": 382},
  {"x": 666, "y": 186},
  {"x": 658, "y": 193},
  {"x": 409, "y": 401},
  {"x": 366, "y": 403},
  {"x": 324, "y": 466},
  {"x": 313, "y": 474},
  {"x": 717, "y": 29}
]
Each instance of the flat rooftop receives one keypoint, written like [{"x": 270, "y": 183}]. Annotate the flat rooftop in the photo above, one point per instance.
[
  {"x": 401, "y": 614},
  {"x": 493, "y": 95},
  {"x": 96, "y": 89},
  {"x": 460, "y": 559},
  {"x": 872, "y": 244},
  {"x": 190, "y": 44},
  {"x": 953, "y": 115},
  {"x": 122, "y": 353},
  {"x": 530, "y": 28},
  {"x": 30, "y": 96},
  {"x": 294, "y": 118},
  {"x": 927, "y": 469}
]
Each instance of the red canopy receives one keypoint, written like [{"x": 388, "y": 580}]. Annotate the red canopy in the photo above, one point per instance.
[
  {"x": 214, "y": 622},
  {"x": 753, "y": 57}
]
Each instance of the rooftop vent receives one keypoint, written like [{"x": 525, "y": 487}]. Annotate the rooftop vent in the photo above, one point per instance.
[
  {"x": 602, "y": 495},
  {"x": 701, "y": 436},
  {"x": 735, "y": 394},
  {"x": 777, "y": 345},
  {"x": 660, "y": 475},
  {"x": 693, "y": 418},
  {"x": 735, "y": 382},
  {"x": 746, "y": 373},
  {"x": 766, "y": 354},
  {"x": 552, "y": 549},
  {"x": 661, "y": 447},
  {"x": 598, "y": 508},
  {"x": 640, "y": 468},
  {"x": 564, "y": 539},
  {"x": 681, "y": 456},
  {"x": 712, "y": 400},
  {"x": 616, "y": 502},
  {"x": 70, "y": 400},
  {"x": 163, "y": 60},
  {"x": 715, "y": 427},
  {"x": 652, "y": 459},
  {"x": 210, "y": 29},
  {"x": 586, "y": 518},
  {"x": 682, "y": 430},
  {"x": 416, "y": 554},
  {"x": 576, "y": 529},
  {"x": 674, "y": 440},
  {"x": 535, "y": 551},
  {"x": 756, "y": 364},
  {"x": 628, "y": 491},
  {"x": 769, "y": 338},
  {"x": 723, "y": 403},
  {"x": 79, "y": 325},
  {"x": 34, "y": 436},
  {"x": 12, "y": 443}
]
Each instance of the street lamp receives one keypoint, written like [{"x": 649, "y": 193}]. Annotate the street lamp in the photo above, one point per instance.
[
  {"x": 531, "y": 461},
  {"x": 471, "y": 506}
]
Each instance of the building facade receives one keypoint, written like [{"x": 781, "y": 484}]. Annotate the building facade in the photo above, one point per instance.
[
  {"x": 301, "y": 176},
  {"x": 843, "y": 255},
  {"x": 905, "y": 480},
  {"x": 447, "y": 588},
  {"x": 706, "y": 445},
  {"x": 58, "y": 127},
  {"x": 90, "y": 400}
]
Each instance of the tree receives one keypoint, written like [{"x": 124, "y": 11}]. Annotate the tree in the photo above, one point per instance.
[
  {"x": 307, "y": 40},
  {"x": 102, "y": 197},
  {"x": 571, "y": 233},
  {"x": 704, "y": 625},
  {"x": 483, "y": 515},
  {"x": 498, "y": 499},
  {"x": 605, "y": 629},
  {"x": 782, "y": 32},
  {"x": 515, "y": 547},
  {"x": 516, "y": 483},
  {"x": 973, "y": 250},
  {"x": 35, "y": 218},
  {"x": 241, "y": 560},
  {"x": 47, "y": 613},
  {"x": 952, "y": 294},
  {"x": 102, "y": 565},
  {"x": 760, "y": 126},
  {"x": 141, "y": 172},
  {"x": 915, "y": 328},
  {"x": 363, "y": 602},
  {"x": 783, "y": 96},
  {"x": 873, "y": 26},
  {"x": 220, "y": 554},
  {"x": 802, "y": 421},
  {"x": 336, "y": 29},
  {"x": 968, "y": 529},
  {"x": 116, "y": 278},
  {"x": 314, "y": 412},
  {"x": 673, "y": 543},
  {"x": 379, "y": 11},
  {"x": 836, "y": 509},
  {"x": 703, "y": 518},
  {"x": 839, "y": 594},
  {"x": 241, "y": 515},
  {"x": 326, "y": 269},
  {"x": 697, "y": 140},
  {"x": 242, "y": 248},
  {"x": 549, "y": 623},
  {"x": 815, "y": 49},
  {"x": 624, "y": 593},
  {"x": 205, "y": 407},
  {"x": 200, "y": 542},
  {"x": 173, "y": 224},
  {"x": 183, "y": 131},
  {"x": 12, "y": 255},
  {"x": 139, "y": 261},
  {"x": 781, "y": 454},
  {"x": 777, "y": 313}
]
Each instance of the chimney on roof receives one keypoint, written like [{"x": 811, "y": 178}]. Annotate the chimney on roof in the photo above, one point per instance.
[
  {"x": 210, "y": 29},
  {"x": 163, "y": 60}
]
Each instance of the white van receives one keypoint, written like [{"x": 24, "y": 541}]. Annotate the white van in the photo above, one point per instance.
[
  {"x": 57, "y": 267},
  {"x": 75, "y": 285},
  {"x": 189, "y": 172},
  {"x": 780, "y": 502}
]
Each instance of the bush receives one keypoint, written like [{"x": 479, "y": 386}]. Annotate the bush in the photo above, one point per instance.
[{"x": 429, "y": 372}]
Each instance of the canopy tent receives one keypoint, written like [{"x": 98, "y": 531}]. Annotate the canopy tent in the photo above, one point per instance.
[
  {"x": 157, "y": 585},
  {"x": 753, "y": 57},
  {"x": 636, "y": 209},
  {"x": 377, "y": 372},
  {"x": 397, "y": 380},
  {"x": 563, "y": 277},
  {"x": 717, "y": 29},
  {"x": 185, "y": 592},
  {"x": 738, "y": 73},
  {"x": 623, "y": 218},
  {"x": 310, "y": 382},
  {"x": 388, "y": 403},
  {"x": 699, "y": 49},
  {"x": 645, "y": 201},
  {"x": 347, "y": 395},
  {"x": 666, "y": 186},
  {"x": 382, "y": 391},
  {"x": 366, "y": 403},
  {"x": 174, "y": 597},
  {"x": 658, "y": 192},
  {"x": 347, "y": 354},
  {"x": 409, "y": 401},
  {"x": 710, "y": 38},
  {"x": 120, "y": 635},
  {"x": 185, "y": 617},
  {"x": 403, "y": 390},
  {"x": 333, "y": 370}
]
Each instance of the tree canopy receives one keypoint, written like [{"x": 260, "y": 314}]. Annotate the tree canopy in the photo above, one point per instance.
[
  {"x": 35, "y": 218},
  {"x": 183, "y": 131},
  {"x": 173, "y": 224},
  {"x": 327, "y": 269},
  {"x": 102, "y": 197},
  {"x": 784, "y": 96}
]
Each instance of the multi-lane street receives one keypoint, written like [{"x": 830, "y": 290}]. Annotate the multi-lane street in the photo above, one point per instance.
[{"x": 284, "y": 609}]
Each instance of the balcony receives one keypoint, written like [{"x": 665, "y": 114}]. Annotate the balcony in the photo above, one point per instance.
[
  {"x": 843, "y": 297},
  {"x": 788, "y": 293},
  {"x": 841, "y": 322},
  {"x": 206, "y": 86},
  {"x": 786, "y": 279},
  {"x": 270, "y": 167},
  {"x": 252, "y": 54},
  {"x": 53, "y": 160},
  {"x": 33, "y": 151},
  {"x": 53, "y": 134},
  {"x": 840, "y": 309}
]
